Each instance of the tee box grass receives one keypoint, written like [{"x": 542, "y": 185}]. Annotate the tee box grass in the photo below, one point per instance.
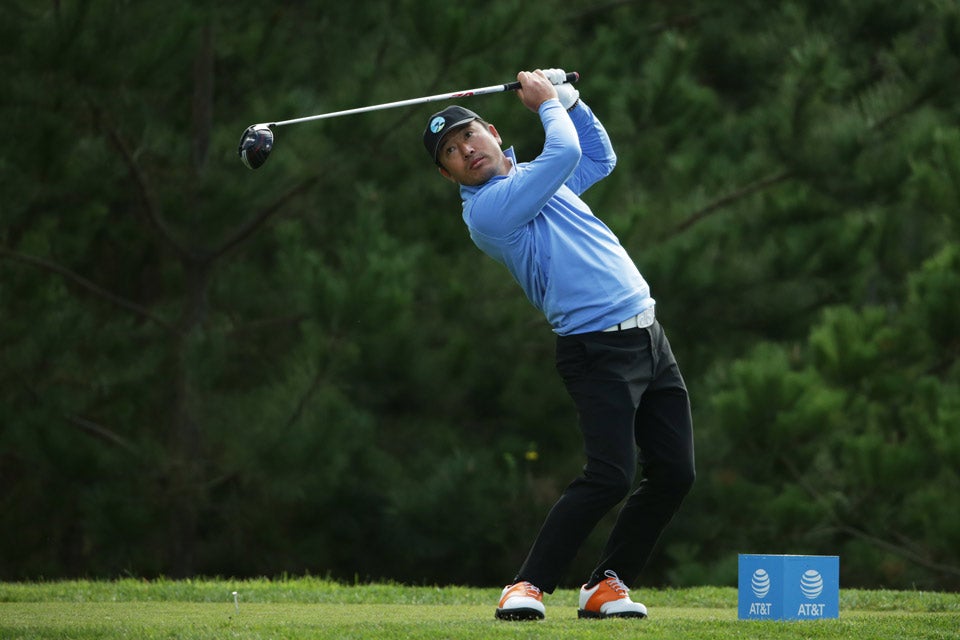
[{"x": 311, "y": 608}]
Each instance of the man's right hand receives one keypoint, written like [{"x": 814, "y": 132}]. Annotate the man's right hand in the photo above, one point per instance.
[{"x": 535, "y": 89}]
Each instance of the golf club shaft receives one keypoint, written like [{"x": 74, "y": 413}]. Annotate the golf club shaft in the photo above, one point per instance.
[{"x": 573, "y": 76}]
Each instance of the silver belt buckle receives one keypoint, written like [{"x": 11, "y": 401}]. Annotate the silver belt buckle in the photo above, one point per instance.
[
  {"x": 646, "y": 318},
  {"x": 641, "y": 320}
]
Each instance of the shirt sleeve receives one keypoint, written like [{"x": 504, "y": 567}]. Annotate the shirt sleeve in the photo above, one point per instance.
[
  {"x": 510, "y": 202},
  {"x": 598, "y": 159}
]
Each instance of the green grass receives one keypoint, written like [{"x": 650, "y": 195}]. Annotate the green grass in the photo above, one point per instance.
[{"x": 313, "y": 608}]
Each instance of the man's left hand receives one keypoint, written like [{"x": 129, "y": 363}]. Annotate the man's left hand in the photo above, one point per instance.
[
  {"x": 535, "y": 89},
  {"x": 565, "y": 91}
]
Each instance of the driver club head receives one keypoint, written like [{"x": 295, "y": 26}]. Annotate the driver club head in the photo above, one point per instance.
[{"x": 255, "y": 145}]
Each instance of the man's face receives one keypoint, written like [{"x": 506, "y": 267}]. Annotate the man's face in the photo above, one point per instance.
[{"x": 471, "y": 154}]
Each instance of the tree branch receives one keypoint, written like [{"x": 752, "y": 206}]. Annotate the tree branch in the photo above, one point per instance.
[
  {"x": 88, "y": 426},
  {"x": 269, "y": 323},
  {"x": 775, "y": 179},
  {"x": 280, "y": 433},
  {"x": 79, "y": 280},
  {"x": 100, "y": 432},
  {"x": 203, "y": 80},
  {"x": 151, "y": 206},
  {"x": 843, "y": 527},
  {"x": 252, "y": 225},
  {"x": 897, "y": 550},
  {"x": 723, "y": 201}
]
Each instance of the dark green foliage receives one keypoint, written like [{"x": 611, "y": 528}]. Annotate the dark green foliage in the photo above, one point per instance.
[{"x": 310, "y": 368}]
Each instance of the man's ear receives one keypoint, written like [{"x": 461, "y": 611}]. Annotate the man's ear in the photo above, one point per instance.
[
  {"x": 446, "y": 174},
  {"x": 493, "y": 131}
]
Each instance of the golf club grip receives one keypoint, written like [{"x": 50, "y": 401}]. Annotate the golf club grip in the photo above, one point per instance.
[{"x": 573, "y": 76}]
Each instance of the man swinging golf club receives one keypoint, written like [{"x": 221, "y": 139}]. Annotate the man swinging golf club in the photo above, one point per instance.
[{"x": 611, "y": 353}]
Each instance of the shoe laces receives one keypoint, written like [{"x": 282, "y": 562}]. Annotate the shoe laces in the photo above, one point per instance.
[
  {"x": 531, "y": 590},
  {"x": 615, "y": 583}
]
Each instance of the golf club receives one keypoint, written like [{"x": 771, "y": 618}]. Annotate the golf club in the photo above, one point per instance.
[{"x": 256, "y": 143}]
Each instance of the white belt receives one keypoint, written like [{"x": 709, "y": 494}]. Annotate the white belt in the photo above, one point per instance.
[{"x": 641, "y": 320}]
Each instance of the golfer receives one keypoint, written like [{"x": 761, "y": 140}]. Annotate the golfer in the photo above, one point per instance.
[{"x": 612, "y": 354}]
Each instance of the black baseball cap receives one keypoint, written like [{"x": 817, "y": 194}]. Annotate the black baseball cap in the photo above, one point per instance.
[{"x": 441, "y": 123}]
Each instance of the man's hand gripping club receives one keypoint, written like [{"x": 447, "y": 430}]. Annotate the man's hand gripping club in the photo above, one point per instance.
[{"x": 538, "y": 86}]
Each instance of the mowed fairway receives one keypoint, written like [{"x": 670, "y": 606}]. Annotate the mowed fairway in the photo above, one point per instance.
[{"x": 312, "y": 608}]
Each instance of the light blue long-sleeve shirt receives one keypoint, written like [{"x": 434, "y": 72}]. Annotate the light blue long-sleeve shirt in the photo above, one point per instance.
[{"x": 568, "y": 262}]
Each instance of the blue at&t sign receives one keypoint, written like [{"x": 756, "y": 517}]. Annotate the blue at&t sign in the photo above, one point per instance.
[{"x": 788, "y": 587}]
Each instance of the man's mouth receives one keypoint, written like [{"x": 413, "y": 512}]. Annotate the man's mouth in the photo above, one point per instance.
[{"x": 476, "y": 162}]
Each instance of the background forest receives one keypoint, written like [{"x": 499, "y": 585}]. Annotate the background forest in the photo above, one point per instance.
[{"x": 311, "y": 369}]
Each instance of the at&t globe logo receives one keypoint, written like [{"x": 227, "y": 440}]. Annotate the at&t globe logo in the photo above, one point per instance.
[
  {"x": 760, "y": 583},
  {"x": 811, "y": 584}
]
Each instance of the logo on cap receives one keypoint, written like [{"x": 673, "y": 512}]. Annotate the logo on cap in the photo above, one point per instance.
[{"x": 437, "y": 124}]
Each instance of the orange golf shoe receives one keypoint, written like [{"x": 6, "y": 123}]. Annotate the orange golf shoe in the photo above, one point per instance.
[
  {"x": 520, "y": 601},
  {"x": 609, "y": 598}
]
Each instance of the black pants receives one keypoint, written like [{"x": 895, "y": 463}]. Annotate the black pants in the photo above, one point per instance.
[{"x": 634, "y": 411}]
